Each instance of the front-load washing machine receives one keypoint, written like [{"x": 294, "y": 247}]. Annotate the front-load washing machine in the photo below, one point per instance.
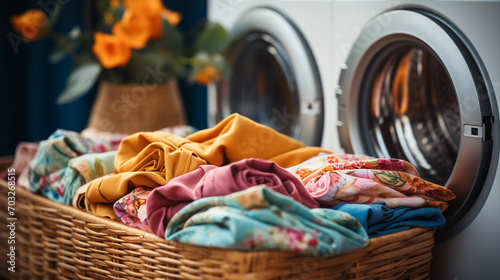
[
  {"x": 419, "y": 80},
  {"x": 281, "y": 67}
]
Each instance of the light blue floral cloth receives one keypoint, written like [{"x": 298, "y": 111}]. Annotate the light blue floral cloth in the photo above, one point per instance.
[
  {"x": 259, "y": 218},
  {"x": 51, "y": 172},
  {"x": 80, "y": 170}
]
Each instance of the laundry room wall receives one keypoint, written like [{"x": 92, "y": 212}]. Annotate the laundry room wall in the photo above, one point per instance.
[{"x": 30, "y": 84}]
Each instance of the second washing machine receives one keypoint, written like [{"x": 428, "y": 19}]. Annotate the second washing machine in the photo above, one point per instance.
[{"x": 281, "y": 67}]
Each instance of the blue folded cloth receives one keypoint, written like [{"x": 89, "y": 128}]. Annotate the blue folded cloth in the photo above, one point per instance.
[
  {"x": 259, "y": 218},
  {"x": 379, "y": 220}
]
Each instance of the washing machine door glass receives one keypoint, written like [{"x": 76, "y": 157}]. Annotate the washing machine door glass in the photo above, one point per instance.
[
  {"x": 274, "y": 78},
  {"x": 412, "y": 111},
  {"x": 263, "y": 85},
  {"x": 415, "y": 90}
]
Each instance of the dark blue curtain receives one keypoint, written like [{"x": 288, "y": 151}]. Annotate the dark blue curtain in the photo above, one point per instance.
[{"x": 30, "y": 84}]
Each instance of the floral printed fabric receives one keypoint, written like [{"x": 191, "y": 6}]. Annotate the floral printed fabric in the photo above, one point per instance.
[
  {"x": 79, "y": 171},
  {"x": 307, "y": 167},
  {"x": 54, "y": 155},
  {"x": 113, "y": 139},
  {"x": 131, "y": 209},
  {"x": 393, "y": 181},
  {"x": 379, "y": 220},
  {"x": 317, "y": 166},
  {"x": 210, "y": 180},
  {"x": 259, "y": 218}
]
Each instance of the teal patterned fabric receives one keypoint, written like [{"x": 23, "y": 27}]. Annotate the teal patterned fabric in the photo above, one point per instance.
[
  {"x": 79, "y": 171},
  {"x": 51, "y": 172},
  {"x": 259, "y": 218}
]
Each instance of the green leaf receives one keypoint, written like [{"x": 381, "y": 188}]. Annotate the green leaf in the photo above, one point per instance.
[
  {"x": 75, "y": 33},
  {"x": 172, "y": 38},
  {"x": 57, "y": 55},
  {"x": 390, "y": 178},
  {"x": 146, "y": 67},
  {"x": 67, "y": 45},
  {"x": 81, "y": 79},
  {"x": 102, "y": 6},
  {"x": 212, "y": 39}
]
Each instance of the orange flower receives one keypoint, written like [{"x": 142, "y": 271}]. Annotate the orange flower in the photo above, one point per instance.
[
  {"x": 172, "y": 17},
  {"x": 151, "y": 9},
  {"x": 134, "y": 28},
  {"x": 111, "y": 50},
  {"x": 207, "y": 75},
  {"x": 154, "y": 5},
  {"x": 31, "y": 25}
]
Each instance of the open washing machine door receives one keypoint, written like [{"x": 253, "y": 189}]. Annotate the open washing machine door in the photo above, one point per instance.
[
  {"x": 414, "y": 88},
  {"x": 274, "y": 78}
]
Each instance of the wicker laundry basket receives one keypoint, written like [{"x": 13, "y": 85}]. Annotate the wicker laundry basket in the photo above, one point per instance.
[{"x": 55, "y": 241}]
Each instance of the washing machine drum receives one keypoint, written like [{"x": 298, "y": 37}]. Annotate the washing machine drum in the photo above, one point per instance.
[
  {"x": 413, "y": 89},
  {"x": 274, "y": 79}
]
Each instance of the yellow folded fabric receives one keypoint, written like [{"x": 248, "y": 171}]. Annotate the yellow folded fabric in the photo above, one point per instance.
[
  {"x": 237, "y": 137},
  {"x": 151, "y": 159}
]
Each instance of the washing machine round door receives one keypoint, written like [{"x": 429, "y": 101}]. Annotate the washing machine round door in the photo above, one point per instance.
[
  {"x": 413, "y": 88},
  {"x": 274, "y": 78}
]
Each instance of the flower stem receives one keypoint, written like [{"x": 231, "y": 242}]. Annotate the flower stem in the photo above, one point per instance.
[
  {"x": 186, "y": 60},
  {"x": 62, "y": 42}
]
